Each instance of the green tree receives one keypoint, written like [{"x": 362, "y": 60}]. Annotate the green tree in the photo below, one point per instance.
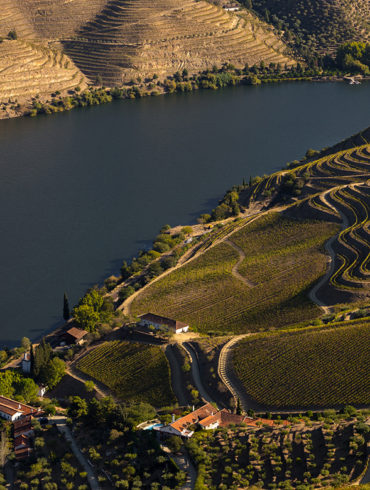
[
  {"x": 52, "y": 372},
  {"x": 78, "y": 407},
  {"x": 3, "y": 356},
  {"x": 6, "y": 384},
  {"x": 86, "y": 317},
  {"x": 66, "y": 310},
  {"x": 41, "y": 357},
  {"x": 124, "y": 293},
  {"x": 25, "y": 343},
  {"x": 27, "y": 389},
  {"x": 12, "y": 35}
]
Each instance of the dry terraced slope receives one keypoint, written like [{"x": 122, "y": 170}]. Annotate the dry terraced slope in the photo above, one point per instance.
[
  {"x": 122, "y": 39},
  {"x": 144, "y": 37},
  {"x": 27, "y": 69}
]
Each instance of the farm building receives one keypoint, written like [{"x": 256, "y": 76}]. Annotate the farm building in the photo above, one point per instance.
[
  {"x": 13, "y": 410},
  {"x": 156, "y": 321},
  {"x": 181, "y": 426},
  {"x": 74, "y": 336},
  {"x": 23, "y": 432},
  {"x": 208, "y": 417}
]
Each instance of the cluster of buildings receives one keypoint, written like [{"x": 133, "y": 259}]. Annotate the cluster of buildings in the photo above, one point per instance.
[
  {"x": 208, "y": 417},
  {"x": 21, "y": 416}
]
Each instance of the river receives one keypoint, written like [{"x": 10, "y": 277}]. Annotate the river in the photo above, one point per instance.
[{"x": 81, "y": 191}]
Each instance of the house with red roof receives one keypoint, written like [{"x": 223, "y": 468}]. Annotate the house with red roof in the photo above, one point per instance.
[
  {"x": 75, "y": 336},
  {"x": 208, "y": 417},
  {"x": 13, "y": 410}
]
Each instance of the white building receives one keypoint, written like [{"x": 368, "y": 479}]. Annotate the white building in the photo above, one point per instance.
[
  {"x": 26, "y": 363},
  {"x": 13, "y": 410},
  {"x": 156, "y": 321}
]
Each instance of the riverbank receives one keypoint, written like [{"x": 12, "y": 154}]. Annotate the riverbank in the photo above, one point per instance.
[{"x": 178, "y": 83}]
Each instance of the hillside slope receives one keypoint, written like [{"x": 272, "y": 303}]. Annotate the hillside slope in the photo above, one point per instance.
[
  {"x": 132, "y": 38},
  {"x": 321, "y": 24},
  {"x": 27, "y": 69},
  {"x": 280, "y": 259},
  {"x": 117, "y": 40}
]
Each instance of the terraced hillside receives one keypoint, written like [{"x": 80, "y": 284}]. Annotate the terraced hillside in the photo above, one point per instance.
[
  {"x": 142, "y": 37},
  {"x": 334, "y": 187},
  {"x": 27, "y": 69},
  {"x": 256, "y": 279},
  {"x": 320, "y": 24},
  {"x": 307, "y": 369},
  {"x": 117, "y": 40}
]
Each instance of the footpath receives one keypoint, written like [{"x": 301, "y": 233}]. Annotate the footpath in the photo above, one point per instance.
[{"x": 65, "y": 430}]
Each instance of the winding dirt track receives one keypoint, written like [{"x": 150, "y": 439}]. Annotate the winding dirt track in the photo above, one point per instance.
[
  {"x": 224, "y": 363},
  {"x": 235, "y": 272},
  {"x": 98, "y": 387},
  {"x": 329, "y": 248}
]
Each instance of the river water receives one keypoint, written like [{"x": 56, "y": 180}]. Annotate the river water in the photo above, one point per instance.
[{"x": 81, "y": 191}]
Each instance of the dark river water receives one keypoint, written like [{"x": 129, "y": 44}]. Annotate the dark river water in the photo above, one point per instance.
[{"x": 81, "y": 191}]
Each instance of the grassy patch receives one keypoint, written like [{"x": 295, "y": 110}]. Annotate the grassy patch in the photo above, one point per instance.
[
  {"x": 134, "y": 372},
  {"x": 283, "y": 259},
  {"x": 320, "y": 368}
]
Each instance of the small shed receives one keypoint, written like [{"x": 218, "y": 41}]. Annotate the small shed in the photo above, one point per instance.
[{"x": 75, "y": 336}]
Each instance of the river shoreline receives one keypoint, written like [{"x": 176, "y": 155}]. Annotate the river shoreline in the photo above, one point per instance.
[{"x": 27, "y": 107}]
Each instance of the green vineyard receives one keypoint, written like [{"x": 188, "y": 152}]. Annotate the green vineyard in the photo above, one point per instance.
[
  {"x": 278, "y": 260},
  {"x": 307, "y": 369},
  {"x": 335, "y": 188},
  {"x": 134, "y": 372}
]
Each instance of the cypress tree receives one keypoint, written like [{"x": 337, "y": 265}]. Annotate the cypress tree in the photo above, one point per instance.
[{"x": 66, "y": 311}]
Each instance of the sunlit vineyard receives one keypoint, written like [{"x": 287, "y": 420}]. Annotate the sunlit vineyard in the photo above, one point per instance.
[
  {"x": 306, "y": 369},
  {"x": 334, "y": 187},
  {"x": 283, "y": 259},
  {"x": 134, "y": 372}
]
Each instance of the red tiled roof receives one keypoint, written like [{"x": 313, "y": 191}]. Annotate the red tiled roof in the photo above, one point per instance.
[
  {"x": 20, "y": 423},
  {"x": 224, "y": 417},
  {"x": 23, "y": 452},
  {"x": 77, "y": 333},
  {"x": 228, "y": 418},
  {"x": 194, "y": 417},
  {"x": 211, "y": 419},
  {"x": 12, "y": 407},
  {"x": 21, "y": 440},
  {"x": 162, "y": 320}
]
